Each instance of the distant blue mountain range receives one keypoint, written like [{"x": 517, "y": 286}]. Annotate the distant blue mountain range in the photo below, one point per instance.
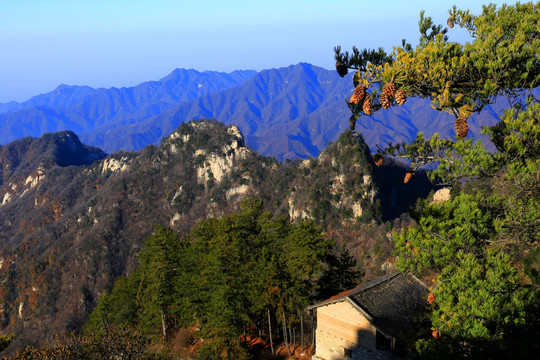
[{"x": 288, "y": 112}]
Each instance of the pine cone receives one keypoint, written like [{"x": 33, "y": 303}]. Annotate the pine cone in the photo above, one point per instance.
[
  {"x": 431, "y": 298},
  {"x": 358, "y": 94},
  {"x": 410, "y": 175},
  {"x": 378, "y": 159},
  {"x": 385, "y": 100},
  {"x": 389, "y": 89},
  {"x": 352, "y": 122},
  {"x": 461, "y": 127},
  {"x": 341, "y": 69},
  {"x": 366, "y": 106},
  {"x": 450, "y": 22},
  {"x": 400, "y": 97}
]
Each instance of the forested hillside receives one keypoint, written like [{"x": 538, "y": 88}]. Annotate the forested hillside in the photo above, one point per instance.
[
  {"x": 70, "y": 230},
  {"x": 228, "y": 275}
]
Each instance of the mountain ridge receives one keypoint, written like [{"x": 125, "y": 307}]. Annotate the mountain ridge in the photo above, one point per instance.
[
  {"x": 261, "y": 107},
  {"x": 290, "y": 112},
  {"x": 83, "y": 109},
  {"x": 63, "y": 92}
]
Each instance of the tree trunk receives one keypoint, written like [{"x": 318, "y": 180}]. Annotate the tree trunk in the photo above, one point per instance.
[
  {"x": 163, "y": 326},
  {"x": 312, "y": 330},
  {"x": 105, "y": 324},
  {"x": 270, "y": 332},
  {"x": 285, "y": 334},
  {"x": 302, "y": 328}
]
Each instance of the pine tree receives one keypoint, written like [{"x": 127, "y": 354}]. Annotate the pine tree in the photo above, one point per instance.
[
  {"x": 481, "y": 247},
  {"x": 501, "y": 61},
  {"x": 226, "y": 275},
  {"x": 483, "y": 244},
  {"x": 160, "y": 265}
]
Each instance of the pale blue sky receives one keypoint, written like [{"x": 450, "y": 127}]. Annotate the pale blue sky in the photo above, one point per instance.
[{"x": 104, "y": 43}]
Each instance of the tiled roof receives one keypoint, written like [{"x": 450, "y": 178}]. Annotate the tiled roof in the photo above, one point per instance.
[{"x": 391, "y": 301}]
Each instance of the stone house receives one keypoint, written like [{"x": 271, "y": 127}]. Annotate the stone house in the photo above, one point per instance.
[{"x": 367, "y": 321}]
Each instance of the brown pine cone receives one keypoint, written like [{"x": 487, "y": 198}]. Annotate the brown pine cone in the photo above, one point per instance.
[
  {"x": 385, "y": 101},
  {"x": 366, "y": 106},
  {"x": 410, "y": 175},
  {"x": 461, "y": 127},
  {"x": 341, "y": 69},
  {"x": 450, "y": 22},
  {"x": 389, "y": 89},
  {"x": 378, "y": 159},
  {"x": 400, "y": 97},
  {"x": 358, "y": 94}
]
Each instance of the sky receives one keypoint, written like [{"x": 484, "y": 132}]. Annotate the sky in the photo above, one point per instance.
[{"x": 118, "y": 43}]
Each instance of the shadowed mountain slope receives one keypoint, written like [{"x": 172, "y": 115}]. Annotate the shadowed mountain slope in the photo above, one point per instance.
[{"x": 25, "y": 155}]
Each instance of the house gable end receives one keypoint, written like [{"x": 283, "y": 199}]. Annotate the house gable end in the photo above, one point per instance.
[{"x": 341, "y": 326}]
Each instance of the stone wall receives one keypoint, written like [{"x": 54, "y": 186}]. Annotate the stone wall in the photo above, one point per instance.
[
  {"x": 344, "y": 333},
  {"x": 341, "y": 327}
]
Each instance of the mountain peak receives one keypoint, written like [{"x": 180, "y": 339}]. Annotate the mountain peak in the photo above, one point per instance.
[
  {"x": 67, "y": 149},
  {"x": 305, "y": 65},
  {"x": 64, "y": 89},
  {"x": 179, "y": 73},
  {"x": 61, "y": 148},
  {"x": 205, "y": 136}
]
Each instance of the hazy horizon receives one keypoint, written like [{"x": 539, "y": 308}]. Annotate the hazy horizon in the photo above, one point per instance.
[{"x": 121, "y": 43}]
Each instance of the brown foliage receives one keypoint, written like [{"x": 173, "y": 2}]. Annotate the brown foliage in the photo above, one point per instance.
[{"x": 117, "y": 343}]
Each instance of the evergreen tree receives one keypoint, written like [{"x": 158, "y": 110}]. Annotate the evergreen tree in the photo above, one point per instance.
[
  {"x": 482, "y": 245},
  {"x": 340, "y": 275},
  {"x": 159, "y": 265},
  {"x": 460, "y": 79},
  {"x": 117, "y": 308},
  {"x": 226, "y": 276},
  {"x": 146, "y": 297}
]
